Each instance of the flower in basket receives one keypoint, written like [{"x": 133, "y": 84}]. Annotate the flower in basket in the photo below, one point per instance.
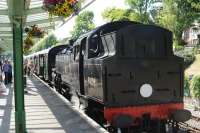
[
  {"x": 28, "y": 43},
  {"x": 62, "y": 8},
  {"x": 34, "y": 31}
]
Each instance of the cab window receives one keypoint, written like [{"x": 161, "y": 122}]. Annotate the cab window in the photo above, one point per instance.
[{"x": 95, "y": 47}]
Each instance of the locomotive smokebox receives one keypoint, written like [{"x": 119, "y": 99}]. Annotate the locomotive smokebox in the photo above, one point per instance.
[{"x": 181, "y": 115}]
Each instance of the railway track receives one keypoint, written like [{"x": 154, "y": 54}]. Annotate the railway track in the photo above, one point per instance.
[{"x": 192, "y": 126}]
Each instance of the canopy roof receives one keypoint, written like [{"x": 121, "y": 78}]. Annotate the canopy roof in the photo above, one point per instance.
[{"x": 34, "y": 14}]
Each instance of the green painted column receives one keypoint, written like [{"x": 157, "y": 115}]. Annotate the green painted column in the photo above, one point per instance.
[{"x": 20, "y": 121}]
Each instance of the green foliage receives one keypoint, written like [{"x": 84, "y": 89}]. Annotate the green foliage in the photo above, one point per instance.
[
  {"x": 177, "y": 15},
  {"x": 195, "y": 4},
  {"x": 167, "y": 16},
  {"x": 44, "y": 43},
  {"x": 83, "y": 24},
  {"x": 113, "y": 14},
  {"x": 188, "y": 59},
  {"x": 186, "y": 86},
  {"x": 140, "y": 6},
  {"x": 177, "y": 46},
  {"x": 188, "y": 55},
  {"x": 50, "y": 41},
  {"x": 138, "y": 11},
  {"x": 195, "y": 86}
]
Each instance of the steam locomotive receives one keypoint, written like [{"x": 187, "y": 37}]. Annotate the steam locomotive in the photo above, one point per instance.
[{"x": 124, "y": 73}]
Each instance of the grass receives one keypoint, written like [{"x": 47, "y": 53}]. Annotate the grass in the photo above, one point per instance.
[{"x": 194, "y": 68}]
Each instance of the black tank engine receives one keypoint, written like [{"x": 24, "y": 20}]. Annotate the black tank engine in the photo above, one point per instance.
[{"x": 125, "y": 74}]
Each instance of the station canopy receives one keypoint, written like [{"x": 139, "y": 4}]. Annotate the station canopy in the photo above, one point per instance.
[{"x": 34, "y": 15}]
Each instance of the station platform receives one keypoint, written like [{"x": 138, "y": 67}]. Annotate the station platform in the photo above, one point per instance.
[{"x": 46, "y": 112}]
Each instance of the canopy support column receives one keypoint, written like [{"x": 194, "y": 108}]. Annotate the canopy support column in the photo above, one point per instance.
[{"x": 20, "y": 122}]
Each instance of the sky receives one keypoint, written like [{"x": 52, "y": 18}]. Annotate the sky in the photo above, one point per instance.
[{"x": 97, "y": 7}]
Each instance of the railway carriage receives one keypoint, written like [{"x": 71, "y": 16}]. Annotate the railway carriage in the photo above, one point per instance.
[{"x": 44, "y": 61}]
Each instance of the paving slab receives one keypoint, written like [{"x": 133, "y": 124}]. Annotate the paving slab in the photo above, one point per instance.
[{"x": 46, "y": 112}]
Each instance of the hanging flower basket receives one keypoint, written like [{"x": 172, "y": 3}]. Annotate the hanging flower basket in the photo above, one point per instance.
[
  {"x": 34, "y": 31},
  {"x": 62, "y": 8},
  {"x": 1, "y": 50},
  {"x": 28, "y": 42}
]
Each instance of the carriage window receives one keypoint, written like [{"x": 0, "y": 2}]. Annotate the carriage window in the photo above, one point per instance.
[
  {"x": 41, "y": 61},
  {"x": 83, "y": 46},
  {"x": 64, "y": 51},
  {"x": 76, "y": 52},
  {"x": 69, "y": 51}
]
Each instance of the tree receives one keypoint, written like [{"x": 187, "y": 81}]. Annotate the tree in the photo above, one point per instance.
[
  {"x": 195, "y": 4},
  {"x": 186, "y": 15},
  {"x": 114, "y": 14},
  {"x": 177, "y": 15},
  {"x": 141, "y": 8},
  {"x": 50, "y": 41},
  {"x": 167, "y": 17},
  {"x": 186, "y": 86},
  {"x": 44, "y": 43},
  {"x": 83, "y": 24},
  {"x": 195, "y": 86}
]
